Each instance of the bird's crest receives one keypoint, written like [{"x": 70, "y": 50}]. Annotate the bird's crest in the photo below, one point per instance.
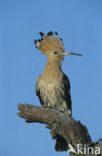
[{"x": 49, "y": 42}]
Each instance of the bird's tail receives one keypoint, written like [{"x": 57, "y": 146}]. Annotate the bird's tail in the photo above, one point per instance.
[{"x": 60, "y": 144}]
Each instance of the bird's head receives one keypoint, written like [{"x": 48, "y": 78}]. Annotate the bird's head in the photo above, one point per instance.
[{"x": 52, "y": 45}]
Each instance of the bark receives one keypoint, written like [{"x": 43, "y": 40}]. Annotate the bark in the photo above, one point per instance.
[{"x": 73, "y": 131}]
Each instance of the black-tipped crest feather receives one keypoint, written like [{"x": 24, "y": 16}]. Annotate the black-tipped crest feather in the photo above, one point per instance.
[
  {"x": 50, "y": 33},
  {"x": 41, "y": 34}
]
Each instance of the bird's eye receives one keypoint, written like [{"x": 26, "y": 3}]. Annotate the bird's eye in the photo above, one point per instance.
[{"x": 55, "y": 52}]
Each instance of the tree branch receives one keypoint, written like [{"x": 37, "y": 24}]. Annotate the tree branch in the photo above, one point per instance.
[{"x": 73, "y": 131}]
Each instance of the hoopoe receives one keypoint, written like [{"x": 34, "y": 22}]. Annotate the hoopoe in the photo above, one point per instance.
[{"x": 53, "y": 86}]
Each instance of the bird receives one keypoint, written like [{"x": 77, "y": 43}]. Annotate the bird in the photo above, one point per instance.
[{"x": 53, "y": 85}]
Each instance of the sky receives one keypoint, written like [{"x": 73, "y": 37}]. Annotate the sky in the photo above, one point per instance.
[{"x": 79, "y": 24}]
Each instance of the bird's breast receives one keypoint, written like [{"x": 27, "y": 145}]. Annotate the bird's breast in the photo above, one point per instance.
[{"x": 51, "y": 91}]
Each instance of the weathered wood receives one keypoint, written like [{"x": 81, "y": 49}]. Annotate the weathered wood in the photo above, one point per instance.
[{"x": 73, "y": 131}]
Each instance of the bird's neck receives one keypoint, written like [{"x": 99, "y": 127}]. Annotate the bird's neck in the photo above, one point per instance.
[{"x": 52, "y": 69}]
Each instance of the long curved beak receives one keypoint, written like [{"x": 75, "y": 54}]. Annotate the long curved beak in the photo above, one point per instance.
[{"x": 71, "y": 53}]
